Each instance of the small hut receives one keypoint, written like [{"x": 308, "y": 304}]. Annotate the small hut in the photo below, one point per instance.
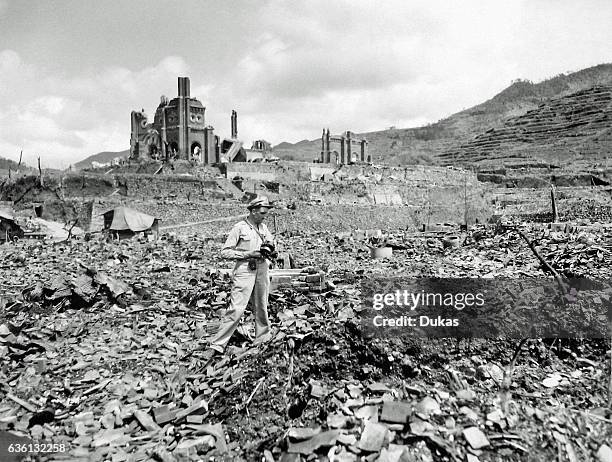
[
  {"x": 9, "y": 229},
  {"x": 123, "y": 222}
]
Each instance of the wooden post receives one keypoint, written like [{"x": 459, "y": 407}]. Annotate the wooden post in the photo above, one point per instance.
[
  {"x": 20, "y": 155},
  {"x": 40, "y": 172},
  {"x": 553, "y": 200},
  {"x": 465, "y": 202}
]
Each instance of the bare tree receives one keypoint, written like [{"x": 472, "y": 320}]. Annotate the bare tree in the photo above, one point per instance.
[{"x": 74, "y": 223}]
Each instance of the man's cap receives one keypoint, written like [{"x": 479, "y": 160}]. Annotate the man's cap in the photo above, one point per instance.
[{"x": 261, "y": 201}]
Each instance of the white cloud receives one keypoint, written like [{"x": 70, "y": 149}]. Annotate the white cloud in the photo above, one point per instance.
[
  {"x": 9, "y": 61},
  {"x": 364, "y": 66},
  {"x": 308, "y": 57},
  {"x": 50, "y": 104},
  {"x": 67, "y": 118}
]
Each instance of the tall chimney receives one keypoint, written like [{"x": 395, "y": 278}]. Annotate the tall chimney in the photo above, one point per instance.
[
  {"x": 183, "y": 113},
  {"x": 183, "y": 87}
]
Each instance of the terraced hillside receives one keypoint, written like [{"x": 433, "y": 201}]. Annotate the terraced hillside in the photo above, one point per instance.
[{"x": 576, "y": 127}]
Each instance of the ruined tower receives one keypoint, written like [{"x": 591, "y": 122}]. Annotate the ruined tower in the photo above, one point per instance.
[
  {"x": 182, "y": 124},
  {"x": 179, "y": 131}
]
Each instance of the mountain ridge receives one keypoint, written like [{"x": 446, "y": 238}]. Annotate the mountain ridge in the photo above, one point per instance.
[{"x": 424, "y": 144}]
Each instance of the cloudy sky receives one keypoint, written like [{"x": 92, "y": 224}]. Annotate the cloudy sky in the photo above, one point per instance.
[{"x": 72, "y": 70}]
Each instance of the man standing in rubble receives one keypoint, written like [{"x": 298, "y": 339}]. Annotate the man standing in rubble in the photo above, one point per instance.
[{"x": 250, "y": 280}]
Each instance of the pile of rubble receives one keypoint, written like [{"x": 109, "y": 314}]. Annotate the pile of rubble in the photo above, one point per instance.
[
  {"x": 107, "y": 356},
  {"x": 134, "y": 384}
]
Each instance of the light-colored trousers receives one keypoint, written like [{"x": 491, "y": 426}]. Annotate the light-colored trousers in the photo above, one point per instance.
[{"x": 247, "y": 285}]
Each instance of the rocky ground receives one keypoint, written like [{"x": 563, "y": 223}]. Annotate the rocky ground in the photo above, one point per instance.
[{"x": 102, "y": 346}]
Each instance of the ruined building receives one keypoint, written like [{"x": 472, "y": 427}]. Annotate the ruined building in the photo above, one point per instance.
[
  {"x": 179, "y": 131},
  {"x": 342, "y": 150},
  {"x": 261, "y": 150}
]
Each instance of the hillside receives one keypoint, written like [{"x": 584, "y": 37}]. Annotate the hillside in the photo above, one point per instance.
[
  {"x": 562, "y": 130},
  {"x": 6, "y": 164},
  {"x": 101, "y": 157},
  {"x": 425, "y": 144}
]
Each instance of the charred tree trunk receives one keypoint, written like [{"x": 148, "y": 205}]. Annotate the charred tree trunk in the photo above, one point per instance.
[
  {"x": 553, "y": 201},
  {"x": 40, "y": 175}
]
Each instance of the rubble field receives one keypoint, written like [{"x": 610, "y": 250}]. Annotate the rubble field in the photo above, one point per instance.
[{"x": 103, "y": 346}]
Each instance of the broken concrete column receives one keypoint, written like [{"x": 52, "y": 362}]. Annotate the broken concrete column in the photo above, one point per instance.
[
  {"x": 363, "y": 150},
  {"x": 348, "y": 145},
  {"x": 234, "y": 122},
  {"x": 217, "y": 149},
  {"x": 209, "y": 145},
  {"x": 323, "y": 145}
]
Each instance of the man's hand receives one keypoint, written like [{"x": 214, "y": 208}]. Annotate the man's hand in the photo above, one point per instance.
[{"x": 253, "y": 254}]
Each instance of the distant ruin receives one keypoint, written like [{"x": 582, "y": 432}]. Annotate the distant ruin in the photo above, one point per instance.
[
  {"x": 179, "y": 131},
  {"x": 346, "y": 155}
]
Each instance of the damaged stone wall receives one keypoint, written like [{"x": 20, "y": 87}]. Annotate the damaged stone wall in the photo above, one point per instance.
[
  {"x": 267, "y": 171},
  {"x": 145, "y": 186},
  {"x": 409, "y": 175},
  {"x": 445, "y": 203},
  {"x": 87, "y": 185},
  {"x": 99, "y": 185},
  {"x": 165, "y": 186},
  {"x": 349, "y": 217},
  {"x": 292, "y": 172}
]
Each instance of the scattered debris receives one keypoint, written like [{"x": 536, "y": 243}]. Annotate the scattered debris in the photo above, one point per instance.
[{"x": 103, "y": 346}]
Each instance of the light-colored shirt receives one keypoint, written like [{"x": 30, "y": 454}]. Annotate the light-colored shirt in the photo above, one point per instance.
[{"x": 243, "y": 238}]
